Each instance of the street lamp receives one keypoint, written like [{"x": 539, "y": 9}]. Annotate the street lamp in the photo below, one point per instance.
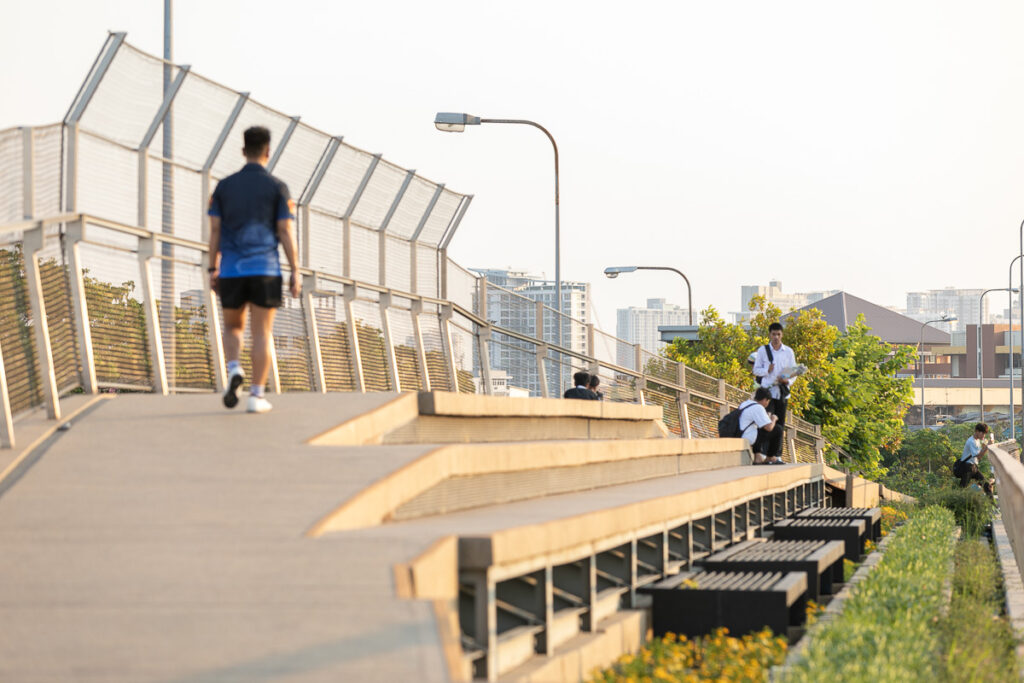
[
  {"x": 613, "y": 272},
  {"x": 452, "y": 122},
  {"x": 1013, "y": 428},
  {"x": 943, "y": 319},
  {"x": 981, "y": 375}
]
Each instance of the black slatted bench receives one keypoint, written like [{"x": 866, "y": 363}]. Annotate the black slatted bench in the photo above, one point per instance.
[
  {"x": 695, "y": 603},
  {"x": 821, "y": 561},
  {"x": 849, "y": 531},
  {"x": 872, "y": 517}
]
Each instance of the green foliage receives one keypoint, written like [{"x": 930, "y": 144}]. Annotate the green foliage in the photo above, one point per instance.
[
  {"x": 888, "y": 628},
  {"x": 972, "y": 508},
  {"x": 923, "y": 463},
  {"x": 977, "y": 640}
]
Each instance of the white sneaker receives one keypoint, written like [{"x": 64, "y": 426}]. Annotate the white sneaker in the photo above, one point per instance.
[
  {"x": 235, "y": 379},
  {"x": 258, "y": 404}
]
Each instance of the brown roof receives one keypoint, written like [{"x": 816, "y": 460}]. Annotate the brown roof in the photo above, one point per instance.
[{"x": 842, "y": 310}]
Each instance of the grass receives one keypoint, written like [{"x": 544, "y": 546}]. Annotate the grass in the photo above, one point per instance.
[
  {"x": 978, "y": 643},
  {"x": 972, "y": 508}
]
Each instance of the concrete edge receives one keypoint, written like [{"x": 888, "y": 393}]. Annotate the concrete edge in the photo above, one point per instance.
[
  {"x": 374, "y": 504},
  {"x": 475, "y": 405},
  {"x": 29, "y": 450},
  {"x": 1013, "y": 585},
  {"x": 370, "y": 427}
]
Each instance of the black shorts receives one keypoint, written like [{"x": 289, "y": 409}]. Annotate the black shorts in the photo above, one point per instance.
[{"x": 261, "y": 290}]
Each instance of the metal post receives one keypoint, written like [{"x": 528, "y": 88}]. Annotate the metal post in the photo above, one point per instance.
[
  {"x": 541, "y": 351},
  {"x": 684, "y": 414},
  {"x": 453, "y": 225},
  {"x": 7, "y": 425},
  {"x": 481, "y": 297},
  {"x": 79, "y": 307},
  {"x": 28, "y": 156},
  {"x": 214, "y": 335},
  {"x": 307, "y": 197},
  {"x": 143, "y": 150},
  {"x": 349, "y": 297},
  {"x": 447, "y": 311},
  {"x": 483, "y": 337},
  {"x": 147, "y": 250},
  {"x": 382, "y": 247},
  {"x": 33, "y": 243},
  {"x": 389, "y": 346},
  {"x": 421, "y": 351},
  {"x": 641, "y": 382},
  {"x": 276, "y": 156},
  {"x": 309, "y": 286}
]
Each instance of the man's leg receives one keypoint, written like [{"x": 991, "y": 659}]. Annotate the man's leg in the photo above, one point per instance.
[
  {"x": 761, "y": 446},
  {"x": 778, "y": 407},
  {"x": 234, "y": 327},
  {"x": 262, "y": 338}
]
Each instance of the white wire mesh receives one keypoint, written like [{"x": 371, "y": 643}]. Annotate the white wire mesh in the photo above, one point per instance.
[
  {"x": 440, "y": 217},
  {"x": 335, "y": 346},
  {"x": 198, "y": 115},
  {"x": 341, "y": 180},
  {"x": 299, "y": 159},
  {"x": 230, "y": 158},
  {"x": 433, "y": 348},
  {"x": 128, "y": 97},
  {"x": 364, "y": 258},
  {"x": 291, "y": 344},
  {"x": 411, "y": 209},
  {"x": 462, "y": 286},
  {"x": 17, "y": 334},
  {"x": 379, "y": 194},
  {"x": 108, "y": 184},
  {"x": 398, "y": 263},
  {"x": 326, "y": 243},
  {"x": 518, "y": 359},
  {"x": 370, "y": 333},
  {"x": 403, "y": 340},
  {"x": 467, "y": 363},
  {"x": 11, "y": 176},
  {"x": 53, "y": 273},
  {"x": 46, "y": 169}
]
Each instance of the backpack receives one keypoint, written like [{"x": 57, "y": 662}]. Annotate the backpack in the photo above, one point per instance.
[{"x": 729, "y": 426}]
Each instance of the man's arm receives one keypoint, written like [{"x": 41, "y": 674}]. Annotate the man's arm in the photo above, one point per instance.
[
  {"x": 792, "y": 364},
  {"x": 214, "y": 251},
  {"x": 286, "y": 234}
]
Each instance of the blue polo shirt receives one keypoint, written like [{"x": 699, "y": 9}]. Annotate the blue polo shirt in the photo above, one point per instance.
[{"x": 249, "y": 204}]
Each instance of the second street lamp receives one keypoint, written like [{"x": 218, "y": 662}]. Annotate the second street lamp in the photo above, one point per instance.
[
  {"x": 613, "y": 272},
  {"x": 453, "y": 122},
  {"x": 943, "y": 319},
  {"x": 981, "y": 375}
]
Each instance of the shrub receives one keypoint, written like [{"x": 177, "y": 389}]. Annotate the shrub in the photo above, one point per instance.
[
  {"x": 972, "y": 508},
  {"x": 888, "y": 628}
]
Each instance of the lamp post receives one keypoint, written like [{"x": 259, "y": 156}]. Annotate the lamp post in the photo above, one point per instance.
[
  {"x": 981, "y": 375},
  {"x": 613, "y": 272},
  {"x": 943, "y": 319},
  {"x": 1009, "y": 296},
  {"x": 451, "y": 122}
]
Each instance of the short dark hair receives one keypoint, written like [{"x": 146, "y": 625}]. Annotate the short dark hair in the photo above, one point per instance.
[
  {"x": 594, "y": 381},
  {"x": 775, "y": 326},
  {"x": 981, "y": 427},
  {"x": 256, "y": 139},
  {"x": 581, "y": 378},
  {"x": 762, "y": 393}
]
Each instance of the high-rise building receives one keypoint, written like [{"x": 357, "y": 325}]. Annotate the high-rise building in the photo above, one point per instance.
[
  {"x": 965, "y": 304},
  {"x": 640, "y": 325},
  {"x": 512, "y": 304},
  {"x": 773, "y": 294}
]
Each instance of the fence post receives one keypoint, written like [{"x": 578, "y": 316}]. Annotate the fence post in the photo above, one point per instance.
[
  {"x": 538, "y": 326},
  {"x": 721, "y": 389},
  {"x": 214, "y": 331},
  {"x": 684, "y": 413},
  {"x": 421, "y": 351},
  {"x": 33, "y": 243},
  {"x": 7, "y": 428},
  {"x": 384, "y": 301},
  {"x": 819, "y": 444},
  {"x": 641, "y": 382},
  {"x": 791, "y": 441},
  {"x": 79, "y": 307},
  {"x": 309, "y": 286},
  {"x": 28, "y": 158},
  {"x": 481, "y": 297},
  {"x": 483, "y": 337},
  {"x": 147, "y": 250},
  {"x": 541, "y": 351},
  {"x": 591, "y": 346},
  {"x": 449, "y": 350},
  {"x": 681, "y": 375},
  {"x": 349, "y": 296}
]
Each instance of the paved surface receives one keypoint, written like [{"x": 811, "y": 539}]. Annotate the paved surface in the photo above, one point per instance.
[{"x": 161, "y": 539}]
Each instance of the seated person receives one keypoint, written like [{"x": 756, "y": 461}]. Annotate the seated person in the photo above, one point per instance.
[
  {"x": 594, "y": 382},
  {"x": 580, "y": 391},
  {"x": 967, "y": 465},
  {"x": 757, "y": 426}
]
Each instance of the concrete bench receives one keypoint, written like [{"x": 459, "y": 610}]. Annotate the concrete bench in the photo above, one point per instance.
[
  {"x": 872, "y": 517},
  {"x": 849, "y": 531},
  {"x": 696, "y": 603},
  {"x": 821, "y": 561}
]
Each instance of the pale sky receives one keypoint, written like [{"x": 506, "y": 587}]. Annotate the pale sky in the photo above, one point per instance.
[{"x": 876, "y": 147}]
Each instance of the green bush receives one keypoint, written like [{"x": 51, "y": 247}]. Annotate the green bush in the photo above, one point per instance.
[
  {"x": 888, "y": 630},
  {"x": 971, "y": 507}
]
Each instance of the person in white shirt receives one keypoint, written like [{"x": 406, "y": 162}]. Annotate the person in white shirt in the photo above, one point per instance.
[
  {"x": 967, "y": 465},
  {"x": 757, "y": 426},
  {"x": 772, "y": 375}
]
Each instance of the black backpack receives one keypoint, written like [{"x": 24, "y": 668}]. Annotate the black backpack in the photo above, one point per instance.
[{"x": 729, "y": 426}]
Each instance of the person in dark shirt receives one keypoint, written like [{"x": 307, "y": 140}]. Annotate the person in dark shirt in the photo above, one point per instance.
[
  {"x": 580, "y": 391},
  {"x": 593, "y": 384},
  {"x": 251, "y": 213}
]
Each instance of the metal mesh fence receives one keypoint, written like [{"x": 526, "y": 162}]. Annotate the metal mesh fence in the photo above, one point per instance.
[
  {"x": 11, "y": 176},
  {"x": 46, "y": 169},
  {"x": 462, "y": 287},
  {"x": 403, "y": 338},
  {"x": 433, "y": 348},
  {"x": 56, "y": 300},
  {"x": 617, "y": 386},
  {"x": 427, "y": 283},
  {"x": 326, "y": 243},
  {"x": 341, "y": 180},
  {"x": 17, "y": 335},
  {"x": 335, "y": 344},
  {"x": 291, "y": 345},
  {"x": 187, "y": 347},
  {"x": 703, "y": 417},
  {"x": 365, "y": 257},
  {"x": 667, "y": 398},
  {"x": 517, "y": 359},
  {"x": 369, "y": 332},
  {"x": 701, "y": 383},
  {"x": 736, "y": 396},
  {"x": 464, "y": 333},
  {"x": 399, "y": 263}
]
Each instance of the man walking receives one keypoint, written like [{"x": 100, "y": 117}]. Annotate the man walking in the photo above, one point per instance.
[
  {"x": 251, "y": 213},
  {"x": 771, "y": 366}
]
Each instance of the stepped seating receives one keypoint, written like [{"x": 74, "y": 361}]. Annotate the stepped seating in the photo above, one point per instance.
[
  {"x": 872, "y": 518},
  {"x": 821, "y": 561},
  {"x": 852, "y": 532}
]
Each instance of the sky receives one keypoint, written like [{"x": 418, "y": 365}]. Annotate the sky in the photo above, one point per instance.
[{"x": 875, "y": 147}]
